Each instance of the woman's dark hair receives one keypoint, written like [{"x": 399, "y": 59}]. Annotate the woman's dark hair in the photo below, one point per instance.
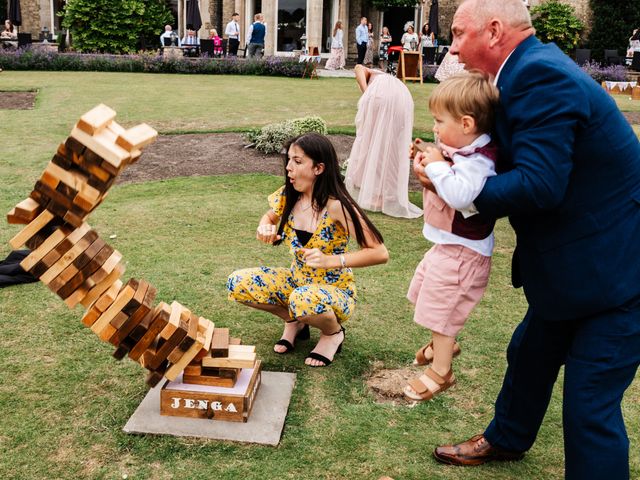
[
  {"x": 425, "y": 29},
  {"x": 636, "y": 34},
  {"x": 329, "y": 184},
  {"x": 10, "y": 25}
]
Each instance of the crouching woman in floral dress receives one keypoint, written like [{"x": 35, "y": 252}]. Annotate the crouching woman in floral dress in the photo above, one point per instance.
[{"x": 314, "y": 215}]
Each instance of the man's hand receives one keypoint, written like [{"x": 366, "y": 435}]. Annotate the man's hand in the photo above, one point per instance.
[{"x": 267, "y": 233}]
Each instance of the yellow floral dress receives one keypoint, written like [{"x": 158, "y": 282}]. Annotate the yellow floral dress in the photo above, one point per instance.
[{"x": 303, "y": 290}]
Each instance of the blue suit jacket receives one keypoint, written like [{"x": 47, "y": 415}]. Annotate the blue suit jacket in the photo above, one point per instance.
[{"x": 570, "y": 186}]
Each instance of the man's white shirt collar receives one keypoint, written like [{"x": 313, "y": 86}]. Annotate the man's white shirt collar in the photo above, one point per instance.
[{"x": 495, "y": 80}]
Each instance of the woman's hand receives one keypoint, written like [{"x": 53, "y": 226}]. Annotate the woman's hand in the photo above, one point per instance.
[
  {"x": 314, "y": 258},
  {"x": 267, "y": 233}
]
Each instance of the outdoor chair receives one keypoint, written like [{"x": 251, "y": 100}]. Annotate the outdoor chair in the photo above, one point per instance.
[
  {"x": 24, "y": 39},
  {"x": 225, "y": 42},
  {"x": 206, "y": 47},
  {"x": 583, "y": 55},
  {"x": 611, "y": 57}
]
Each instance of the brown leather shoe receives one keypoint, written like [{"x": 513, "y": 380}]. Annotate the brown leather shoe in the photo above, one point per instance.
[{"x": 474, "y": 451}]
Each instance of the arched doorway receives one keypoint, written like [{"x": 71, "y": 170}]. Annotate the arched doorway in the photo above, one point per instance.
[{"x": 395, "y": 18}]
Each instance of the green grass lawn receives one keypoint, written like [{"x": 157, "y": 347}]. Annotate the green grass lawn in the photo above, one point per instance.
[{"x": 64, "y": 400}]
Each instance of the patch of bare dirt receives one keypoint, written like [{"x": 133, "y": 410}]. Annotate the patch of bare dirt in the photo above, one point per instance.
[
  {"x": 17, "y": 100},
  {"x": 387, "y": 384},
  {"x": 214, "y": 154}
]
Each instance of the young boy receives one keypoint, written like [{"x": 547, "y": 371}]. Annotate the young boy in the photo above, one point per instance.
[{"x": 451, "y": 279}]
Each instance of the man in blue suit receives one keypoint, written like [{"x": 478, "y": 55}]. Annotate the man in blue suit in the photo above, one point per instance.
[{"x": 570, "y": 185}]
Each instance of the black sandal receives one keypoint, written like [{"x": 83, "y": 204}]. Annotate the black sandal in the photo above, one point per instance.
[
  {"x": 303, "y": 334},
  {"x": 322, "y": 358}
]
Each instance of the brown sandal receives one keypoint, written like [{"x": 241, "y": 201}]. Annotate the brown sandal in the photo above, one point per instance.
[
  {"x": 422, "y": 360},
  {"x": 422, "y": 390}
]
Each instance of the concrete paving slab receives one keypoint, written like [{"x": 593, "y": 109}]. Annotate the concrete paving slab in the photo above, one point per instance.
[{"x": 264, "y": 426}]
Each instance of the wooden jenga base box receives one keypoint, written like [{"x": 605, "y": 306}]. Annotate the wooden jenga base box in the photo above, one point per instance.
[{"x": 179, "y": 399}]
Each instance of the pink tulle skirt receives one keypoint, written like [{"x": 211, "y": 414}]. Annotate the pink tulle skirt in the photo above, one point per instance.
[
  {"x": 336, "y": 60},
  {"x": 378, "y": 171}
]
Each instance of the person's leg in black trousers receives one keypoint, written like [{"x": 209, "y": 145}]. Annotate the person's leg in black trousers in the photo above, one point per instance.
[
  {"x": 234, "y": 43},
  {"x": 362, "y": 51}
]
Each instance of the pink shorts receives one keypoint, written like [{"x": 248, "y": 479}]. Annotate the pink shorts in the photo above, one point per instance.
[{"x": 448, "y": 283}]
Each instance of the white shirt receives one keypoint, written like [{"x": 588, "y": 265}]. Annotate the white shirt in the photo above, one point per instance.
[
  {"x": 168, "y": 35},
  {"x": 458, "y": 185},
  {"x": 232, "y": 30},
  {"x": 336, "y": 41}
]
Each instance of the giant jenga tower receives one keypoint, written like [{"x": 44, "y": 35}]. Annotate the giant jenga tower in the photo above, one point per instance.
[{"x": 70, "y": 258}]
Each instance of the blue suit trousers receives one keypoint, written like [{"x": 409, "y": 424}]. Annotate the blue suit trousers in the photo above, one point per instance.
[{"x": 601, "y": 354}]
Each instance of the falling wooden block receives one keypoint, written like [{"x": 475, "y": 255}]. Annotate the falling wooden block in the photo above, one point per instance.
[
  {"x": 114, "y": 155},
  {"x": 96, "y": 119},
  {"x": 137, "y": 137},
  {"x": 178, "y": 330},
  {"x": 49, "y": 244},
  {"x": 86, "y": 296},
  {"x": 136, "y": 317},
  {"x": 31, "y": 229},
  {"x": 234, "y": 360},
  {"x": 25, "y": 212},
  {"x": 80, "y": 245},
  {"x": 157, "y": 321},
  {"x": 204, "y": 335},
  {"x": 125, "y": 294},
  {"x": 106, "y": 299},
  {"x": 220, "y": 342}
]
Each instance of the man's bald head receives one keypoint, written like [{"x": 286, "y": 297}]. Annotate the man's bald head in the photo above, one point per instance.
[
  {"x": 485, "y": 32},
  {"x": 513, "y": 13}
]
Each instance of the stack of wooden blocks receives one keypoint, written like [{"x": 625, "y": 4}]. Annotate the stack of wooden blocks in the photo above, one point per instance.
[{"x": 75, "y": 263}]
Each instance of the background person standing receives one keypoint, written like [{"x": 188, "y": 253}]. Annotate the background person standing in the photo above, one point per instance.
[
  {"x": 255, "y": 36},
  {"x": 362, "y": 38},
  {"x": 232, "y": 31}
]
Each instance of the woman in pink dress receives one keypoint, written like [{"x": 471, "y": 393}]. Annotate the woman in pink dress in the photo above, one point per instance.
[{"x": 378, "y": 170}]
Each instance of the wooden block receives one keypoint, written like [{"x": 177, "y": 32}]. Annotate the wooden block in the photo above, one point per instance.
[
  {"x": 89, "y": 254},
  {"x": 234, "y": 360},
  {"x": 210, "y": 380},
  {"x": 159, "y": 319},
  {"x": 49, "y": 244},
  {"x": 90, "y": 316},
  {"x": 96, "y": 119},
  {"x": 136, "y": 318},
  {"x": 93, "y": 293},
  {"x": 27, "y": 210},
  {"x": 235, "y": 341},
  {"x": 106, "y": 268},
  {"x": 153, "y": 378},
  {"x": 193, "y": 369},
  {"x": 141, "y": 289},
  {"x": 31, "y": 229},
  {"x": 120, "y": 353},
  {"x": 83, "y": 277},
  {"x": 208, "y": 326},
  {"x": 108, "y": 297},
  {"x": 179, "y": 332},
  {"x": 71, "y": 146},
  {"x": 54, "y": 195},
  {"x": 112, "y": 153},
  {"x": 49, "y": 180},
  {"x": 79, "y": 246},
  {"x": 204, "y": 334},
  {"x": 137, "y": 137},
  {"x": 220, "y": 342},
  {"x": 13, "y": 219},
  {"x": 88, "y": 295},
  {"x": 242, "y": 348},
  {"x": 61, "y": 159},
  {"x": 125, "y": 294},
  {"x": 62, "y": 279},
  {"x": 192, "y": 322}
]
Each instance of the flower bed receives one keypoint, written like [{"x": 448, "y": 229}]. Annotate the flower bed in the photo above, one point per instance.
[{"x": 28, "y": 59}]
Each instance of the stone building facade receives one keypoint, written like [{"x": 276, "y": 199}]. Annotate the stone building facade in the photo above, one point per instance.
[{"x": 290, "y": 23}]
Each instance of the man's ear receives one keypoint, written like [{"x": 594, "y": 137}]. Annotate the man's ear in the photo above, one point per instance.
[
  {"x": 468, "y": 124},
  {"x": 496, "y": 32},
  {"x": 319, "y": 168}
]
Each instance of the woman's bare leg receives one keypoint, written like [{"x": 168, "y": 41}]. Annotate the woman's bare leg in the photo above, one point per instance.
[{"x": 331, "y": 336}]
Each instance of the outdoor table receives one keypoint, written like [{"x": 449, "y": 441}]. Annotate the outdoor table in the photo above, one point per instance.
[
  {"x": 310, "y": 66},
  {"x": 410, "y": 66}
]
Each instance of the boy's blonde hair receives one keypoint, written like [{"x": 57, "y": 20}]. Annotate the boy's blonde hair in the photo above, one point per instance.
[{"x": 469, "y": 93}]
